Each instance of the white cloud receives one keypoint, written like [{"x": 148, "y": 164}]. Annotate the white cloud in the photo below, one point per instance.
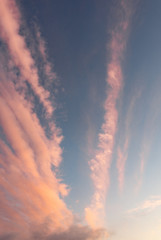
[{"x": 147, "y": 206}]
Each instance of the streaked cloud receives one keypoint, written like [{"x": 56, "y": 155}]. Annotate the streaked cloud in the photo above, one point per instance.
[
  {"x": 150, "y": 129},
  {"x": 122, "y": 151},
  {"x": 147, "y": 206},
  {"x": 114, "y": 123},
  {"x": 74, "y": 232},
  {"x": 30, "y": 191},
  {"x": 42, "y": 49},
  {"x": 121, "y": 160},
  {"x": 100, "y": 165},
  {"x": 10, "y": 23}
]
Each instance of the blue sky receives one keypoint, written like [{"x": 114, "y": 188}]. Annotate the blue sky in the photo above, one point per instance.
[{"x": 80, "y": 123}]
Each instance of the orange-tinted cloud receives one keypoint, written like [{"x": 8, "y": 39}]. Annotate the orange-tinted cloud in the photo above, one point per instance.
[
  {"x": 10, "y": 23},
  {"x": 30, "y": 191},
  {"x": 31, "y": 194},
  {"x": 100, "y": 165},
  {"x": 42, "y": 48}
]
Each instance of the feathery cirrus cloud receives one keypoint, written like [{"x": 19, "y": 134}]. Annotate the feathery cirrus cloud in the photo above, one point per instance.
[
  {"x": 100, "y": 165},
  {"x": 147, "y": 206},
  {"x": 30, "y": 190},
  {"x": 31, "y": 193}
]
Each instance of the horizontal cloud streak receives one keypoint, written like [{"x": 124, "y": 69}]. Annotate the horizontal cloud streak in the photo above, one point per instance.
[
  {"x": 149, "y": 205},
  {"x": 100, "y": 165},
  {"x": 74, "y": 232}
]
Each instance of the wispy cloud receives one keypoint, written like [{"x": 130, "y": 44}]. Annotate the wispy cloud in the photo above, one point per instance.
[
  {"x": 100, "y": 165},
  {"x": 42, "y": 49},
  {"x": 121, "y": 160},
  {"x": 10, "y": 23},
  {"x": 30, "y": 191},
  {"x": 151, "y": 125},
  {"x": 147, "y": 206},
  {"x": 122, "y": 152}
]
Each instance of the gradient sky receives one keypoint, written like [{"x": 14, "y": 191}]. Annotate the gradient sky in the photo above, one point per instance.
[{"x": 80, "y": 120}]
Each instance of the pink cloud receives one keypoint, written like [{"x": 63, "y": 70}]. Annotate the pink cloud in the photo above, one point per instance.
[
  {"x": 30, "y": 191},
  {"x": 31, "y": 194},
  {"x": 10, "y": 23},
  {"x": 100, "y": 165},
  {"x": 42, "y": 49}
]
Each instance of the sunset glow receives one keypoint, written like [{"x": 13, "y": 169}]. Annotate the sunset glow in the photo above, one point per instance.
[{"x": 80, "y": 121}]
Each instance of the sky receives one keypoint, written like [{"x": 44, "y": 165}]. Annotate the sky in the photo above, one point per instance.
[{"x": 80, "y": 120}]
